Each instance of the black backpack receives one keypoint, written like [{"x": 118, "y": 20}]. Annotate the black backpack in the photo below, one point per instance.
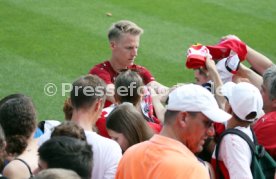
[{"x": 263, "y": 166}]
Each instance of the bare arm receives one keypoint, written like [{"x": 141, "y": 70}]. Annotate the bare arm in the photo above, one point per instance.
[
  {"x": 253, "y": 77},
  {"x": 159, "y": 89},
  {"x": 257, "y": 60},
  {"x": 157, "y": 105},
  {"x": 110, "y": 89},
  {"x": 215, "y": 77}
]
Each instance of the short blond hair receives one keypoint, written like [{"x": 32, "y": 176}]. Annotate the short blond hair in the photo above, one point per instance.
[{"x": 123, "y": 27}]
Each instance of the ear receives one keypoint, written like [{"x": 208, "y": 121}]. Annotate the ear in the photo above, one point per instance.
[
  {"x": 142, "y": 90},
  {"x": 112, "y": 44},
  {"x": 274, "y": 103},
  {"x": 117, "y": 98},
  {"x": 98, "y": 105},
  {"x": 182, "y": 119}
]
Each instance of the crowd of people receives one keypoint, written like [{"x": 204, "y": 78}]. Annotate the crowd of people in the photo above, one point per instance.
[{"x": 131, "y": 126}]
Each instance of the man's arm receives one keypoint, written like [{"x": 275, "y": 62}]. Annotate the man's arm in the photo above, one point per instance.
[
  {"x": 253, "y": 77},
  {"x": 215, "y": 77},
  {"x": 110, "y": 91},
  {"x": 159, "y": 89},
  {"x": 258, "y": 61},
  {"x": 158, "y": 107}
]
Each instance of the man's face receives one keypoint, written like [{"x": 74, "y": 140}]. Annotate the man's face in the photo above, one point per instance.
[
  {"x": 200, "y": 78},
  {"x": 199, "y": 129},
  {"x": 125, "y": 49}
]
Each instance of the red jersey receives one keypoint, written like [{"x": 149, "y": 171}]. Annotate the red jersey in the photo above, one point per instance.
[
  {"x": 264, "y": 129},
  {"x": 108, "y": 74},
  {"x": 105, "y": 71},
  {"x": 152, "y": 121}
]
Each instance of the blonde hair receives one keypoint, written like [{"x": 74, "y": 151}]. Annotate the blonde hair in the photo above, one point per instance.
[{"x": 123, "y": 27}]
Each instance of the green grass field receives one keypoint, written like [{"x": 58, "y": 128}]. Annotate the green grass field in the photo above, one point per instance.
[{"x": 56, "y": 41}]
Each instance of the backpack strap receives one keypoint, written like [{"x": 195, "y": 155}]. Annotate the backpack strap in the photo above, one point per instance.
[
  {"x": 239, "y": 133},
  {"x": 254, "y": 136}
]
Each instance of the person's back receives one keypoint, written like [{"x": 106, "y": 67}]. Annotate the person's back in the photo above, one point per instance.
[
  {"x": 161, "y": 157},
  {"x": 18, "y": 119},
  {"x": 88, "y": 97},
  {"x": 234, "y": 154},
  {"x": 106, "y": 155},
  {"x": 68, "y": 153}
]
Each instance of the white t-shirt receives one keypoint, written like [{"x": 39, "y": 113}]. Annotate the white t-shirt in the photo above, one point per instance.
[
  {"x": 106, "y": 154},
  {"x": 236, "y": 154}
]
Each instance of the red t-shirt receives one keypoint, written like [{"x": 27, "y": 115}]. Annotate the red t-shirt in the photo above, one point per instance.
[
  {"x": 105, "y": 71},
  {"x": 156, "y": 126},
  {"x": 264, "y": 129}
]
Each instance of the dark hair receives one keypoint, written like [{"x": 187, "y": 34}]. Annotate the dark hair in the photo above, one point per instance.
[
  {"x": 68, "y": 109},
  {"x": 69, "y": 129},
  {"x": 86, "y": 90},
  {"x": 2, "y": 139},
  {"x": 16, "y": 95},
  {"x": 126, "y": 79},
  {"x": 202, "y": 72},
  {"x": 68, "y": 153},
  {"x": 2, "y": 148},
  {"x": 18, "y": 119},
  {"x": 248, "y": 118},
  {"x": 127, "y": 120},
  {"x": 170, "y": 116}
]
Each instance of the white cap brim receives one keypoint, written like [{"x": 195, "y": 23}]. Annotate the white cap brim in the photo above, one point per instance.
[{"x": 217, "y": 115}]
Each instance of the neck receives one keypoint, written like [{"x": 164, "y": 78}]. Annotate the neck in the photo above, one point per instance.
[
  {"x": 168, "y": 131},
  {"x": 85, "y": 120},
  {"x": 116, "y": 67},
  {"x": 269, "y": 110},
  {"x": 32, "y": 147},
  {"x": 233, "y": 122}
]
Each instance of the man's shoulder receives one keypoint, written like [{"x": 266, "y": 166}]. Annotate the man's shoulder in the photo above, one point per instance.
[
  {"x": 143, "y": 72},
  {"x": 271, "y": 116},
  {"x": 267, "y": 120},
  {"x": 136, "y": 149},
  {"x": 101, "y": 66},
  {"x": 104, "y": 71},
  {"x": 234, "y": 143},
  {"x": 137, "y": 67}
]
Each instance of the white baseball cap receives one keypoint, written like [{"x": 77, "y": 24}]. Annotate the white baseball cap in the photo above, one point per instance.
[
  {"x": 244, "y": 98},
  {"x": 195, "y": 98}
]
